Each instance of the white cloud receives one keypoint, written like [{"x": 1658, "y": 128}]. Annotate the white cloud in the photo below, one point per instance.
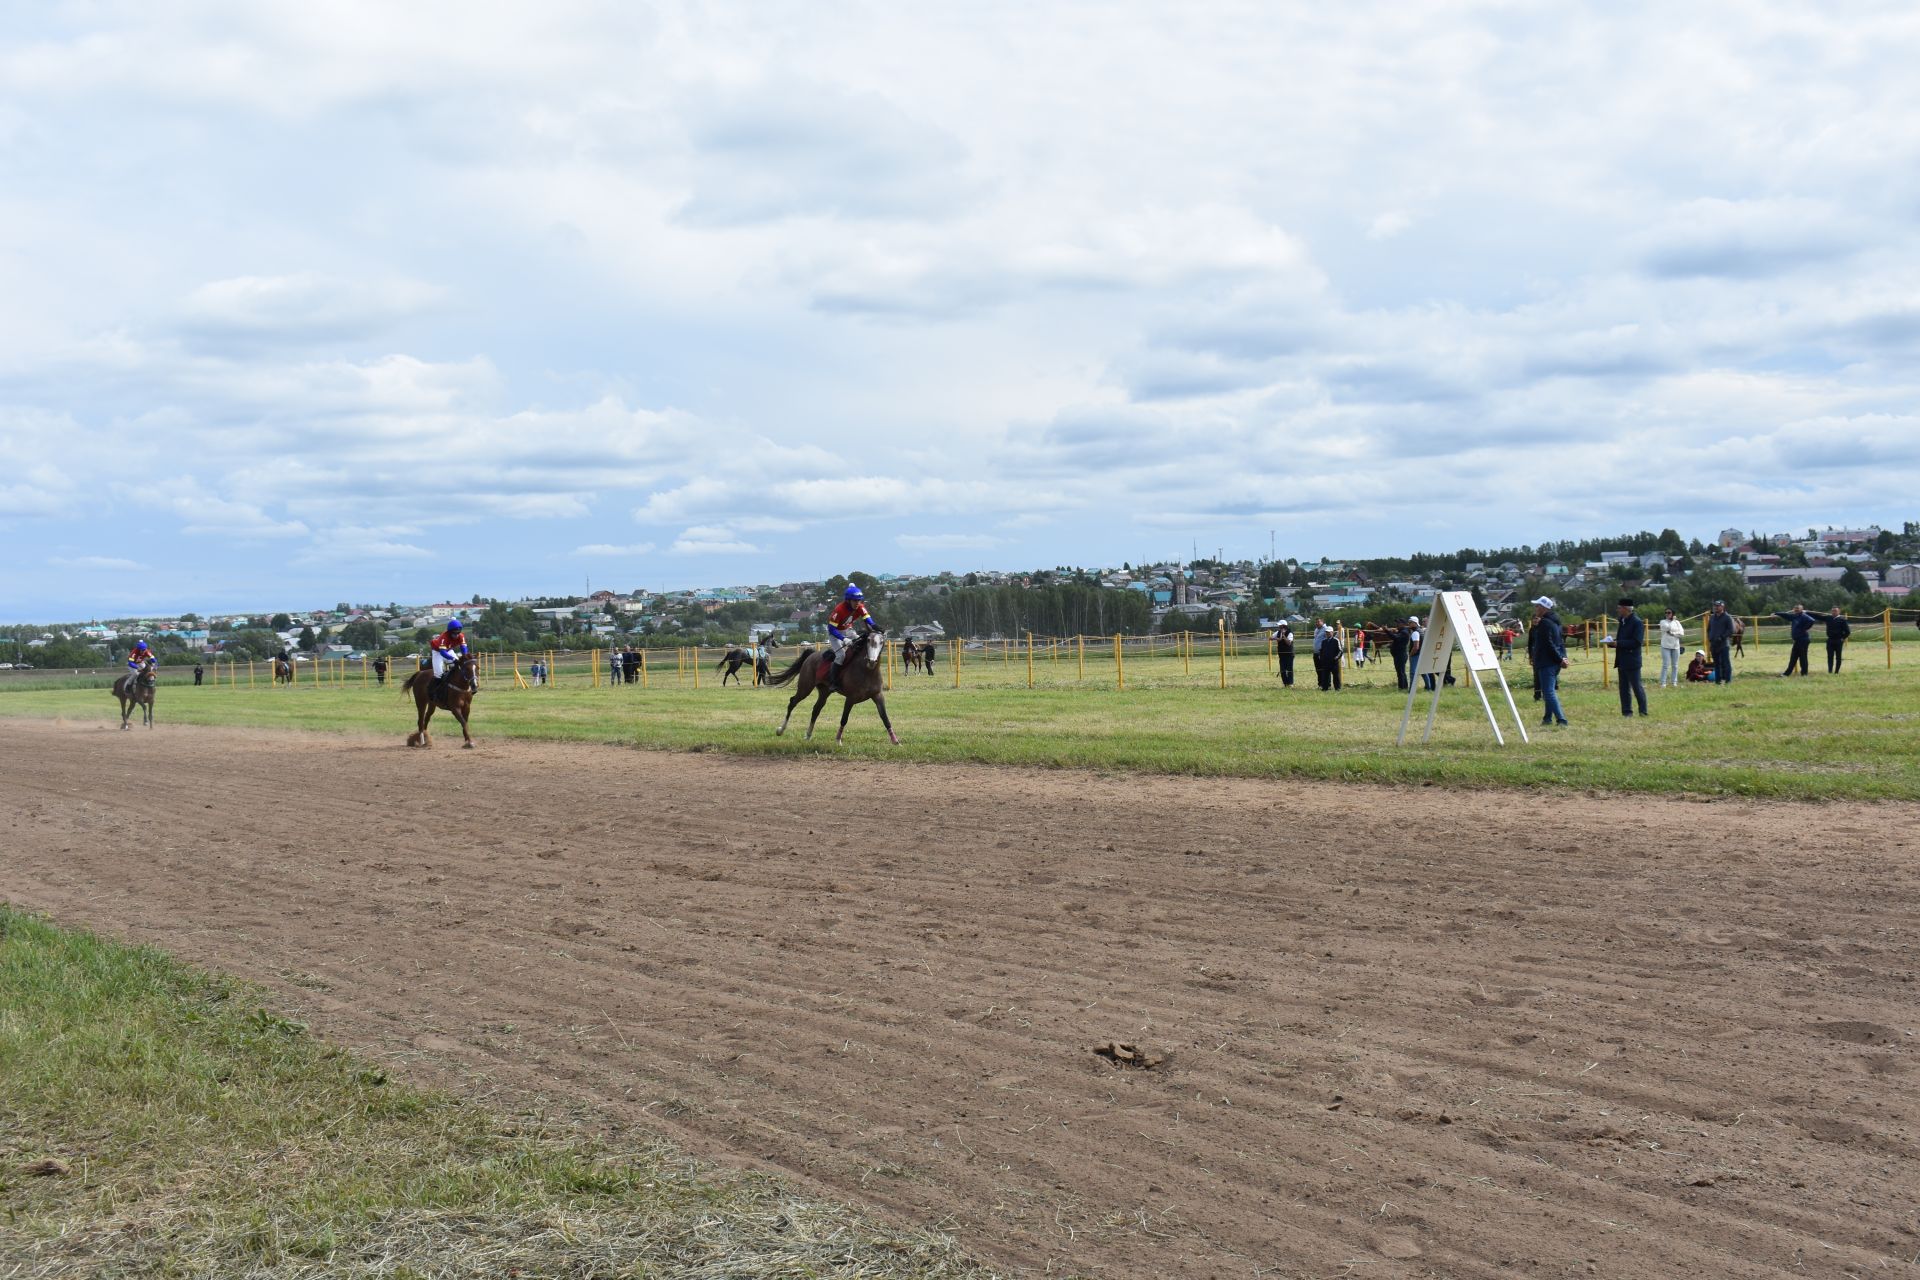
[
  {"x": 1386, "y": 226},
  {"x": 401, "y": 275},
  {"x": 98, "y": 562},
  {"x": 303, "y": 307},
  {"x": 948, "y": 541},
  {"x": 711, "y": 540},
  {"x": 608, "y": 549}
]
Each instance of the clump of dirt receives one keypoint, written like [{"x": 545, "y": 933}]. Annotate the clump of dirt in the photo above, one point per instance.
[{"x": 1129, "y": 1055}]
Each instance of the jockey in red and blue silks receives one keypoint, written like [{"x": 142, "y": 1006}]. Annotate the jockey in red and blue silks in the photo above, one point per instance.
[
  {"x": 141, "y": 660},
  {"x": 447, "y": 648},
  {"x": 851, "y": 609}
]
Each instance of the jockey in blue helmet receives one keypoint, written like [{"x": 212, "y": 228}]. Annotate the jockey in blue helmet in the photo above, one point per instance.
[
  {"x": 851, "y": 609},
  {"x": 141, "y": 660},
  {"x": 447, "y": 648}
]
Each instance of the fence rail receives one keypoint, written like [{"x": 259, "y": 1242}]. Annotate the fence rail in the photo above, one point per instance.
[{"x": 1195, "y": 658}]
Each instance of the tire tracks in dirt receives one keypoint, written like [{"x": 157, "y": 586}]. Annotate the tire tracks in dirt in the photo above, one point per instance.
[{"x": 1408, "y": 1032}]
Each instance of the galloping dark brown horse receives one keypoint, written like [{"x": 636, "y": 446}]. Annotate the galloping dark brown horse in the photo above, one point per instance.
[
  {"x": 454, "y": 695},
  {"x": 861, "y": 680},
  {"x": 135, "y": 691}
]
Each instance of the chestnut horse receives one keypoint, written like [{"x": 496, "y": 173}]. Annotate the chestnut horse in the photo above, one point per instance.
[
  {"x": 282, "y": 671},
  {"x": 862, "y": 679},
  {"x": 454, "y": 695},
  {"x": 135, "y": 690}
]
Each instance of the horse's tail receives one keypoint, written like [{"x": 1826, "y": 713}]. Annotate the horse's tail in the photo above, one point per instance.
[
  {"x": 787, "y": 676},
  {"x": 407, "y": 685},
  {"x": 725, "y": 658}
]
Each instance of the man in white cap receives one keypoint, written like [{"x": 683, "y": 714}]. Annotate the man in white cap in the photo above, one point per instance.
[{"x": 1547, "y": 651}]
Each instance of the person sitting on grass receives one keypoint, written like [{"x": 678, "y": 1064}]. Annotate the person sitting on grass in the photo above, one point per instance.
[{"x": 1698, "y": 672}]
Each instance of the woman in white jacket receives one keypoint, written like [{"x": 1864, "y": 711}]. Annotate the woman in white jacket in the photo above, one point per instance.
[{"x": 1673, "y": 634}]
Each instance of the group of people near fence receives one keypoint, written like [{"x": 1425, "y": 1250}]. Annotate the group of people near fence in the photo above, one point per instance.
[
  {"x": 1547, "y": 651},
  {"x": 623, "y": 665}
]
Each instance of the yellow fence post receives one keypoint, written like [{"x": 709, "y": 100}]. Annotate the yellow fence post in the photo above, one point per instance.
[
  {"x": 1184, "y": 642},
  {"x": 643, "y": 670},
  {"x": 249, "y": 673},
  {"x": 1119, "y": 666},
  {"x": 1223, "y": 655},
  {"x": 696, "y": 666},
  {"x": 1029, "y": 659},
  {"x": 959, "y": 647},
  {"x": 1886, "y": 629},
  {"x": 1080, "y": 657}
]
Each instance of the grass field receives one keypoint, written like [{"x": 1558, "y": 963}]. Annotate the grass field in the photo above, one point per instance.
[
  {"x": 1850, "y": 737},
  {"x": 159, "y": 1121}
]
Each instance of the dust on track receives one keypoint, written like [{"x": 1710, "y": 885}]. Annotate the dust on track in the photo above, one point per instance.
[{"x": 1407, "y": 1032}]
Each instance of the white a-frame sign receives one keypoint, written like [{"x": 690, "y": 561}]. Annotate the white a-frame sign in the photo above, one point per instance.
[{"x": 1454, "y": 621}]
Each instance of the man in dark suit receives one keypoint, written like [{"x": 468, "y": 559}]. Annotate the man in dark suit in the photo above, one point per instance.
[
  {"x": 1720, "y": 641},
  {"x": 1399, "y": 646},
  {"x": 1629, "y": 644}
]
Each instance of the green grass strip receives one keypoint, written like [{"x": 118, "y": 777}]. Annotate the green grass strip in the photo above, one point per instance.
[
  {"x": 1848, "y": 737},
  {"x": 195, "y": 1132}
]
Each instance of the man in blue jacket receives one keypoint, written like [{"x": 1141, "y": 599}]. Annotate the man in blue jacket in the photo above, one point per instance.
[
  {"x": 1800, "y": 626},
  {"x": 1547, "y": 651},
  {"x": 1629, "y": 643},
  {"x": 1720, "y": 641}
]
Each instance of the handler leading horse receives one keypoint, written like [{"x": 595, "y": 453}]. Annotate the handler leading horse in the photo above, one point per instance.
[
  {"x": 454, "y": 695},
  {"x": 135, "y": 691},
  {"x": 861, "y": 680}
]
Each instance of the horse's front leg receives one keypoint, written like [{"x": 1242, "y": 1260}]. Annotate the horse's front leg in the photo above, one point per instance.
[
  {"x": 845, "y": 711},
  {"x": 466, "y": 738},
  {"x": 818, "y": 707},
  {"x": 426, "y": 714},
  {"x": 880, "y": 705}
]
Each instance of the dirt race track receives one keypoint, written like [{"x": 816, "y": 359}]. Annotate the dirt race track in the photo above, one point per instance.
[{"x": 1405, "y": 1032}]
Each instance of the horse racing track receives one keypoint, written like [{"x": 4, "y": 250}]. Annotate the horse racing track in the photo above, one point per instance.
[{"x": 1379, "y": 1032}]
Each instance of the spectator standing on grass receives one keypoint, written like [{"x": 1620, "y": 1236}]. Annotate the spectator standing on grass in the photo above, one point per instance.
[
  {"x": 1283, "y": 649},
  {"x": 1720, "y": 634},
  {"x": 927, "y": 651},
  {"x": 1629, "y": 646},
  {"x": 1673, "y": 635},
  {"x": 1326, "y": 656},
  {"x": 1547, "y": 652},
  {"x": 1398, "y": 645},
  {"x": 1800, "y": 627},
  {"x": 200, "y": 671},
  {"x": 1838, "y": 629}
]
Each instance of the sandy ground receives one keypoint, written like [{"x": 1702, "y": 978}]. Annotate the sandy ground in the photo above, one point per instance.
[{"x": 1404, "y": 1032}]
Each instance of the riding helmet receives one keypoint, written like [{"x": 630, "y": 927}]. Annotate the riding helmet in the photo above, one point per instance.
[
  {"x": 140, "y": 644},
  {"x": 853, "y": 592},
  {"x": 453, "y": 624}
]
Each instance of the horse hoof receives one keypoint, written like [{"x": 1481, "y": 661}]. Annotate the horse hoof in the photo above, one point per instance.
[{"x": 467, "y": 745}]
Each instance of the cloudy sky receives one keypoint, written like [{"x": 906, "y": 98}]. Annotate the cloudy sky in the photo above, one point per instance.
[{"x": 309, "y": 303}]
